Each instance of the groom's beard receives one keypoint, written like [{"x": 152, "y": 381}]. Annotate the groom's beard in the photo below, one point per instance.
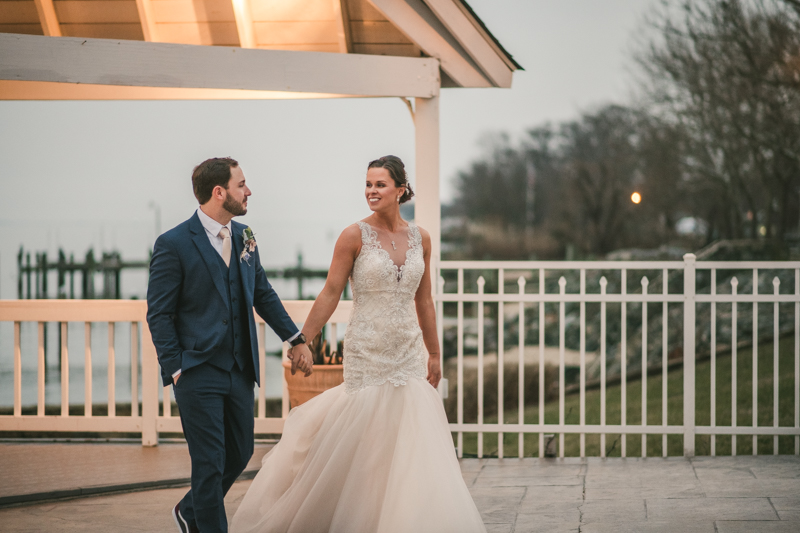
[{"x": 233, "y": 207}]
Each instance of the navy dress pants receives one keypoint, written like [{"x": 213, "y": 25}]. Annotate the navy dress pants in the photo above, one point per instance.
[{"x": 216, "y": 409}]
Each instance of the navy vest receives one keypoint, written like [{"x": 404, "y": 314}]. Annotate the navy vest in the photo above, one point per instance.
[{"x": 235, "y": 348}]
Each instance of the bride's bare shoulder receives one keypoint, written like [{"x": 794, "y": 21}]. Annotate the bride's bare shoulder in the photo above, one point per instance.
[
  {"x": 426, "y": 237},
  {"x": 350, "y": 237},
  {"x": 353, "y": 231}
]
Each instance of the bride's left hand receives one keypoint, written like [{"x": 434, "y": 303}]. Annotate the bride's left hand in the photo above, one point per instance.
[{"x": 434, "y": 370}]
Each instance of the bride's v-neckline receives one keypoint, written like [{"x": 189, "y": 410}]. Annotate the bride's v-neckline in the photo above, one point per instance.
[{"x": 398, "y": 269}]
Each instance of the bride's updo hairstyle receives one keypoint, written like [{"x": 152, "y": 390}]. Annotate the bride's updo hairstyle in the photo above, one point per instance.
[{"x": 397, "y": 170}]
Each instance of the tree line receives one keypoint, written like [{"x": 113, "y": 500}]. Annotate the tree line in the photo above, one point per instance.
[{"x": 712, "y": 139}]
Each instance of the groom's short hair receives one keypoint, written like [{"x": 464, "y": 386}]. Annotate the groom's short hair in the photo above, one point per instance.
[{"x": 209, "y": 174}]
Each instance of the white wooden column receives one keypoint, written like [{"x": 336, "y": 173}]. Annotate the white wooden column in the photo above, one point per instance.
[{"x": 428, "y": 212}]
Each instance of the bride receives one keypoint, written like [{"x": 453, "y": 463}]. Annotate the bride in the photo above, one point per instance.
[{"x": 375, "y": 453}]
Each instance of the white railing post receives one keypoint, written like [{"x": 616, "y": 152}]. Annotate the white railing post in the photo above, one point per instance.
[
  {"x": 582, "y": 406},
  {"x": 64, "y": 371},
  {"x": 460, "y": 363},
  {"x": 754, "y": 379},
  {"x": 603, "y": 285},
  {"x": 734, "y": 362},
  {"x": 713, "y": 391},
  {"x": 645, "y": 284},
  {"x": 776, "y": 335},
  {"x": 17, "y": 369},
  {"x": 500, "y": 361},
  {"x": 541, "y": 361},
  {"x": 521, "y": 369},
  {"x": 562, "y": 285},
  {"x": 481, "y": 285},
  {"x": 689, "y": 304},
  {"x": 150, "y": 383},
  {"x": 444, "y": 384}
]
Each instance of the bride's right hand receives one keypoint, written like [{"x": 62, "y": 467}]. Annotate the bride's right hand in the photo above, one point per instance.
[{"x": 434, "y": 370}]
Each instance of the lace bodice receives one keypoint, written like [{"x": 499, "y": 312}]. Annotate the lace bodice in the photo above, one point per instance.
[{"x": 383, "y": 340}]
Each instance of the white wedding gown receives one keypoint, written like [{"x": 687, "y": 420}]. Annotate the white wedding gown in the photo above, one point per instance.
[{"x": 375, "y": 454}]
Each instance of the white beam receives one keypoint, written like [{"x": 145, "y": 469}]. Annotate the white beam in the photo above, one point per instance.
[
  {"x": 428, "y": 209},
  {"x": 244, "y": 23},
  {"x": 343, "y": 35},
  {"x": 145, "y": 10},
  {"x": 418, "y": 23},
  {"x": 473, "y": 40},
  {"x": 48, "y": 18},
  {"x": 48, "y": 90},
  {"x": 139, "y": 64}
]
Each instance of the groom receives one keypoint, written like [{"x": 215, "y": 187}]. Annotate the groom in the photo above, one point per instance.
[{"x": 205, "y": 279}]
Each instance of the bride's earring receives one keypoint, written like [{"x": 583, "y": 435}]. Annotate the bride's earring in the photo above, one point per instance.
[{"x": 398, "y": 199}]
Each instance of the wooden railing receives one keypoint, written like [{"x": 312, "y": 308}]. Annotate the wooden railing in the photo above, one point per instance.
[{"x": 154, "y": 417}]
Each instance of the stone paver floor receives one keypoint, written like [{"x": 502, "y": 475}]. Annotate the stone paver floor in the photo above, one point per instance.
[{"x": 703, "y": 495}]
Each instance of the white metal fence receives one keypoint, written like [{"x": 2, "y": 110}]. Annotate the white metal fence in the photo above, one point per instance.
[
  {"x": 606, "y": 324},
  {"x": 557, "y": 295}
]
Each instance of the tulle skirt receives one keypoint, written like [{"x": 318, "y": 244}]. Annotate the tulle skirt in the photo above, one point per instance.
[{"x": 377, "y": 461}]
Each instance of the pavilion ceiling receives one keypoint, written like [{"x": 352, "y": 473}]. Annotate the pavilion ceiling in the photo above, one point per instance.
[
  {"x": 309, "y": 25},
  {"x": 406, "y": 28}
]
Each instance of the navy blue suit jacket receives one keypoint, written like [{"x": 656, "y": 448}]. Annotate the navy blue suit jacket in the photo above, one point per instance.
[{"x": 187, "y": 303}]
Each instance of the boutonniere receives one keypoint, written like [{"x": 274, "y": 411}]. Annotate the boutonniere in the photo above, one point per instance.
[{"x": 249, "y": 239}]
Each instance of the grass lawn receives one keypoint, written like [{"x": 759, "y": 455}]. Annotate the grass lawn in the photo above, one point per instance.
[{"x": 744, "y": 410}]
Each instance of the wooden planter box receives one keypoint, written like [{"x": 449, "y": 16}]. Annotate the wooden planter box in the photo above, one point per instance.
[{"x": 302, "y": 389}]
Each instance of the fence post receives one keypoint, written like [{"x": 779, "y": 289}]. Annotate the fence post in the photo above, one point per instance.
[
  {"x": 150, "y": 384},
  {"x": 689, "y": 325}
]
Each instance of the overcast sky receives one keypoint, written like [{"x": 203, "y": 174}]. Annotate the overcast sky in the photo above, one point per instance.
[{"x": 81, "y": 174}]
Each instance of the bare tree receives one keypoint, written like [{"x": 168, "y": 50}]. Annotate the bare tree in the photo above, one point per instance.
[
  {"x": 599, "y": 167},
  {"x": 573, "y": 183},
  {"x": 726, "y": 73}
]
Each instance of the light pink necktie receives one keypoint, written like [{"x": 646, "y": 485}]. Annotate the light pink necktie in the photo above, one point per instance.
[{"x": 226, "y": 245}]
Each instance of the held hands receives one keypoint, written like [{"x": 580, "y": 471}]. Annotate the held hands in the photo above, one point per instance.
[
  {"x": 434, "y": 370},
  {"x": 302, "y": 359}
]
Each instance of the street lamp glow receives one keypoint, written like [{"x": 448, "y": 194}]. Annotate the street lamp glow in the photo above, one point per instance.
[{"x": 636, "y": 197}]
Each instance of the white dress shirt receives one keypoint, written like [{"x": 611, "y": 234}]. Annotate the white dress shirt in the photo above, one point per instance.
[{"x": 213, "y": 228}]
